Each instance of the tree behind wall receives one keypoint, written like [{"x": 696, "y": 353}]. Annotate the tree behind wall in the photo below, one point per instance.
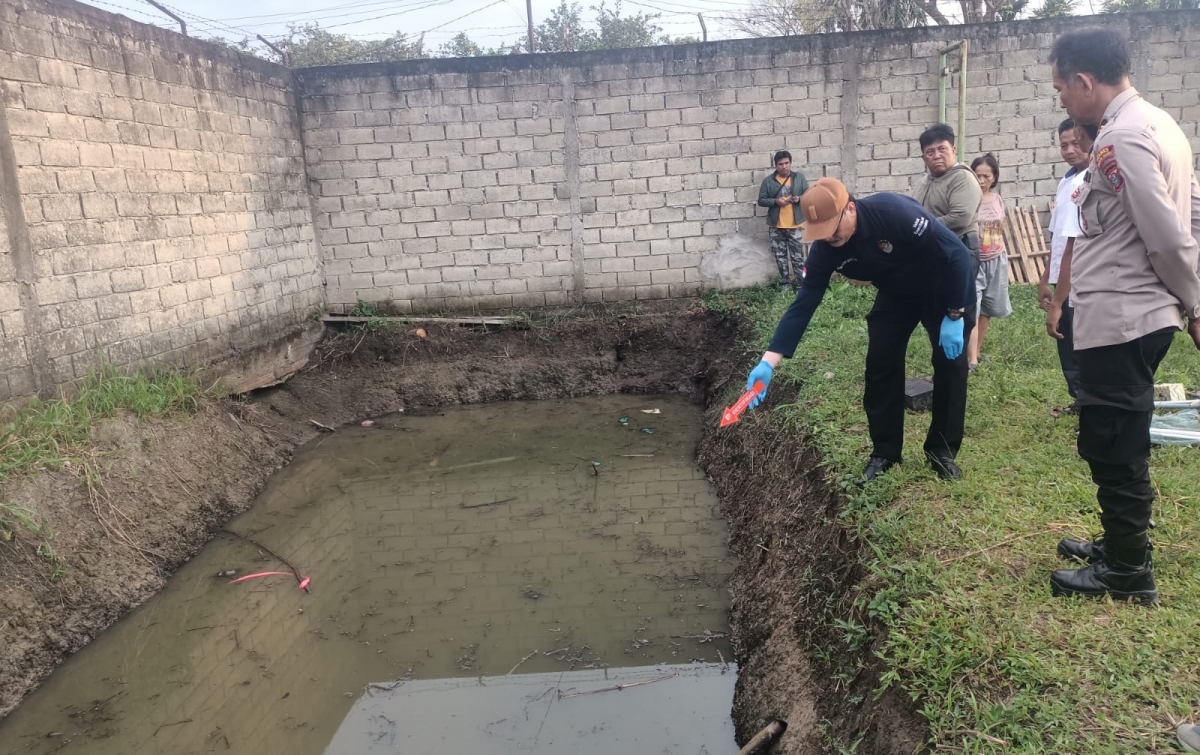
[{"x": 310, "y": 45}]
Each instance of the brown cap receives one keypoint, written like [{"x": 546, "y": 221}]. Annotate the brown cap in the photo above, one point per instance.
[{"x": 822, "y": 206}]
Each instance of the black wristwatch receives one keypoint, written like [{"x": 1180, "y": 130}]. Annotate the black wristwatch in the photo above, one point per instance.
[{"x": 955, "y": 314}]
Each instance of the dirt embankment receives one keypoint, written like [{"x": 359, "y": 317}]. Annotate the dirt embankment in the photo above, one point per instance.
[
  {"x": 797, "y": 568},
  {"x": 167, "y": 485}
]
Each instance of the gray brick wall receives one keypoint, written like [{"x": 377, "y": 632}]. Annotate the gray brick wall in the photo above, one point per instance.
[
  {"x": 518, "y": 182},
  {"x": 16, "y": 373},
  {"x": 162, "y": 187},
  {"x": 154, "y": 192}
]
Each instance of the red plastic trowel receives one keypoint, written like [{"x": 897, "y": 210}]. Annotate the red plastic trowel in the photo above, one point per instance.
[{"x": 734, "y": 413}]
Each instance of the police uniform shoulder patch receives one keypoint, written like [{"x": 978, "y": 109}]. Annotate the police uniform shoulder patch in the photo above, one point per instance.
[
  {"x": 885, "y": 246},
  {"x": 1106, "y": 162}
]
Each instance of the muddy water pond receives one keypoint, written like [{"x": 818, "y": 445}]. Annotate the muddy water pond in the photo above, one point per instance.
[{"x": 472, "y": 542}]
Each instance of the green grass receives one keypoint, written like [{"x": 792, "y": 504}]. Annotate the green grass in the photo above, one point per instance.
[
  {"x": 47, "y": 434},
  {"x": 959, "y": 571}
]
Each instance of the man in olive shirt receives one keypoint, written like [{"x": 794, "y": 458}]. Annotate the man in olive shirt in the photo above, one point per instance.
[
  {"x": 781, "y": 192},
  {"x": 949, "y": 189},
  {"x": 1134, "y": 283}
]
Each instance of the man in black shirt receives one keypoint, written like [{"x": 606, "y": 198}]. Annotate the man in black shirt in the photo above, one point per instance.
[{"x": 924, "y": 274}]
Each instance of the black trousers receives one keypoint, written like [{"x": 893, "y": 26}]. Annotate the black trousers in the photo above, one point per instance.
[
  {"x": 890, "y": 324},
  {"x": 1116, "y": 402},
  {"x": 1066, "y": 350}
]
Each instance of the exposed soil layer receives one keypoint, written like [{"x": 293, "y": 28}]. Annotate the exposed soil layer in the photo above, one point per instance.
[
  {"x": 167, "y": 485},
  {"x": 797, "y": 568}
]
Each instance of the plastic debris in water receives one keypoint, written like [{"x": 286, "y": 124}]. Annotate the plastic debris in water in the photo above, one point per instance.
[
  {"x": 304, "y": 581},
  {"x": 367, "y": 423},
  {"x": 624, "y": 420},
  {"x": 651, "y": 411},
  {"x": 648, "y": 430}
]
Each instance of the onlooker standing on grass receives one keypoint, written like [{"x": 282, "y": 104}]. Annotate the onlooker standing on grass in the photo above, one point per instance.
[
  {"x": 991, "y": 280},
  {"x": 1074, "y": 144},
  {"x": 949, "y": 190},
  {"x": 781, "y": 192},
  {"x": 1133, "y": 281}
]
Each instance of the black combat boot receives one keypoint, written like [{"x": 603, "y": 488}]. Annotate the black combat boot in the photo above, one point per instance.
[
  {"x": 1087, "y": 551},
  {"x": 1124, "y": 573}
]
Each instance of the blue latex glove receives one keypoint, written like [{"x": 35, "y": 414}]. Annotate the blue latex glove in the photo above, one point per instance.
[
  {"x": 951, "y": 338},
  {"x": 762, "y": 373}
]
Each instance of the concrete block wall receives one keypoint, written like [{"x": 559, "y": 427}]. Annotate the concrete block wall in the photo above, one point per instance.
[
  {"x": 531, "y": 181},
  {"x": 154, "y": 207},
  {"x": 15, "y": 368},
  {"x": 160, "y": 192}
]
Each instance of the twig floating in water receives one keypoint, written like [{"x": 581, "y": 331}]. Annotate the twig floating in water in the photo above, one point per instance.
[
  {"x": 173, "y": 723},
  {"x": 489, "y": 503},
  {"x": 302, "y": 580},
  {"x": 323, "y": 428},
  {"x": 514, "y": 668},
  {"x": 637, "y": 456},
  {"x": 617, "y": 688},
  {"x": 485, "y": 463}
]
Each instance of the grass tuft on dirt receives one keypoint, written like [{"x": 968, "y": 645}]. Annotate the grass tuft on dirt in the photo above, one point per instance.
[
  {"x": 957, "y": 585},
  {"x": 45, "y": 434}
]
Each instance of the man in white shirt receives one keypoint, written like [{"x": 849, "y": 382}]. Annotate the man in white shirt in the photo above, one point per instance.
[{"x": 1074, "y": 145}]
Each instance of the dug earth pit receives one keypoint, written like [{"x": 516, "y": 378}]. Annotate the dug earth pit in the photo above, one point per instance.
[{"x": 174, "y": 483}]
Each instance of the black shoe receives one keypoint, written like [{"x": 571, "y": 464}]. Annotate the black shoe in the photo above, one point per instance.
[
  {"x": 877, "y": 466},
  {"x": 1124, "y": 573},
  {"x": 1087, "y": 551},
  {"x": 944, "y": 466}
]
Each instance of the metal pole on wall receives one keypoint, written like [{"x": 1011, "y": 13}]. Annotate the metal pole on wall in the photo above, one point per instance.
[
  {"x": 962, "y": 92},
  {"x": 944, "y": 72},
  {"x": 182, "y": 23},
  {"x": 287, "y": 60},
  {"x": 942, "y": 86},
  {"x": 529, "y": 18},
  {"x": 703, "y": 28}
]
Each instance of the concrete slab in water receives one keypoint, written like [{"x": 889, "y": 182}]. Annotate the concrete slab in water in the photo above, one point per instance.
[{"x": 686, "y": 713}]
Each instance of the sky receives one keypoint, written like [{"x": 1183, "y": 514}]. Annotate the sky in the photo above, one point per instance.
[{"x": 487, "y": 22}]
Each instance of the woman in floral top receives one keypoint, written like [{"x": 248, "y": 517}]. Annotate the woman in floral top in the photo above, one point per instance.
[{"x": 991, "y": 281}]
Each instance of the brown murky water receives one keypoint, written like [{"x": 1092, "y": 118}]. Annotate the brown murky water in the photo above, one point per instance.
[{"x": 523, "y": 537}]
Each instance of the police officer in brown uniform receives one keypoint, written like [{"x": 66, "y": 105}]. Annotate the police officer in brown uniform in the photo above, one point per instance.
[{"x": 1134, "y": 283}]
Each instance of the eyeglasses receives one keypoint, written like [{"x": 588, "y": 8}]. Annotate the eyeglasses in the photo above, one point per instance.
[
  {"x": 841, "y": 215},
  {"x": 837, "y": 226}
]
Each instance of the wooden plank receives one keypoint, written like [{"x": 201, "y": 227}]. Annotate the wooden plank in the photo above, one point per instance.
[
  {"x": 1038, "y": 237},
  {"x": 1012, "y": 245},
  {"x": 1022, "y": 246},
  {"x": 1042, "y": 261},
  {"x": 1031, "y": 245},
  {"x": 1040, "y": 232}
]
